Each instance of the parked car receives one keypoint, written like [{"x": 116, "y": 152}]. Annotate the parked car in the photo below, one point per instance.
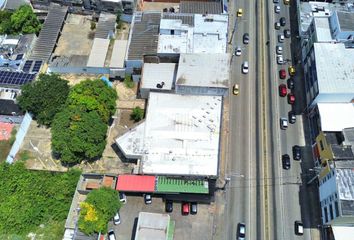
[
  {"x": 282, "y": 21},
  {"x": 277, "y": 9},
  {"x": 122, "y": 198},
  {"x": 245, "y": 67},
  {"x": 280, "y": 59},
  {"x": 291, "y": 98},
  {"x": 291, "y": 70},
  {"x": 111, "y": 235},
  {"x": 168, "y": 206},
  {"x": 296, "y": 152},
  {"x": 291, "y": 83},
  {"x": 277, "y": 25},
  {"x": 246, "y": 38},
  {"x": 116, "y": 219},
  {"x": 287, "y": 33},
  {"x": 241, "y": 231},
  {"x": 280, "y": 38},
  {"x": 239, "y": 12},
  {"x": 282, "y": 90},
  {"x": 185, "y": 208},
  {"x": 275, "y": 1},
  {"x": 292, "y": 117},
  {"x": 238, "y": 51},
  {"x": 235, "y": 89},
  {"x": 282, "y": 73},
  {"x": 286, "y": 161},
  {"x": 194, "y": 208},
  {"x": 299, "y": 228},
  {"x": 147, "y": 198},
  {"x": 279, "y": 49},
  {"x": 283, "y": 123}
]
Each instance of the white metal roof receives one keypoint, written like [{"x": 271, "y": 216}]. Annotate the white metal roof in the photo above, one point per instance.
[
  {"x": 180, "y": 135},
  {"x": 336, "y": 116},
  {"x": 207, "y": 35},
  {"x": 345, "y": 183},
  {"x": 156, "y": 73},
  {"x": 343, "y": 232},
  {"x": 98, "y": 52},
  {"x": 118, "y": 54},
  {"x": 152, "y": 226},
  {"x": 335, "y": 68},
  {"x": 203, "y": 70},
  {"x": 323, "y": 31}
]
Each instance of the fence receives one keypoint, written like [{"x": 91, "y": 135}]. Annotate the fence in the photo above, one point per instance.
[{"x": 21, "y": 133}]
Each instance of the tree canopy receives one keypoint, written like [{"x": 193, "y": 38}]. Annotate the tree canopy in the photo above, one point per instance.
[
  {"x": 99, "y": 207},
  {"x": 44, "y": 97},
  {"x": 78, "y": 135},
  {"x": 30, "y": 198},
  {"x": 23, "y": 20},
  {"x": 94, "y": 96},
  {"x": 137, "y": 114}
]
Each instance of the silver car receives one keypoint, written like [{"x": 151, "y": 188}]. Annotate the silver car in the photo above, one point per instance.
[
  {"x": 238, "y": 51},
  {"x": 283, "y": 123},
  {"x": 280, "y": 38},
  {"x": 245, "y": 67},
  {"x": 280, "y": 59},
  {"x": 279, "y": 50},
  {"x": 277, "y": 9}
]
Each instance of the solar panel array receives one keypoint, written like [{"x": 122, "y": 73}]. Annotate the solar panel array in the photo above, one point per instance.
[
  {"x": 37, "y": 66},
  {"x": 15, "y": 78},
  {"x": 19, "y": 57},
  {"x": 27, "y": 66}
]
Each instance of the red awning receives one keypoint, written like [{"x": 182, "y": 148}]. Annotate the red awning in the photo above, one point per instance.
[{"x": 135, "y": 183}]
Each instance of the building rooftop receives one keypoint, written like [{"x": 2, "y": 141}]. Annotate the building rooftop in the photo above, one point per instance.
[
  {"x": 348, "y": 134},
  {"x": 98, "y": 52},
  {"x": 71, "y": 61},
  {"x": 201, "y": 7},
  {"x": 203, "y": 70},
  {"x": 180, "y": 136},
  {"x": 106, "y": 25},
  {"x": 186, "y": 18},
  {"x": 118, "y": 54},
  {"x": 345, "y": 186},
  {"x": 153, "y": 226},
  {"x": 335, "y": 117},
  {"x": 156, "y": 73},
  {"x": 323, "y": 32},
  {"x": 342, "y": 152},
  {"x": 346, "y": 20},
  {"x": 9, "y": 107},
  {"x": 144, "y": 34},
  {"x": 335, "y": 68}
]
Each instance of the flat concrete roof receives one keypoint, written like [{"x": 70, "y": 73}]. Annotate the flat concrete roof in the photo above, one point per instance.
[
  {"x": 336, "y": 116},
  {"x": 152, "y": 226},
  {"x": 118, "y": 54},
  {"x": 203, "y": 70},
  {"x": 180, "y": 135},
  {"x": 156, "y": 73},
  {"x": 335, "y": 68},
  {"x": 323, "y": 29},
  {"x": 346, "y": 21},
  {"x": 98, "y": 52}
]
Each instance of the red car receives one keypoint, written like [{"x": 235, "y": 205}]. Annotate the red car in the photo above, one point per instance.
[
  {"x": 282, "y": 73},
  {"x": 282, "y": 90},
  {"x": 185, "y": 208},
  {"x": 291, "y": 98}
]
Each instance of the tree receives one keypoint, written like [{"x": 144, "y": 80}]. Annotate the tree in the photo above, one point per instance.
[
  {"x": 44, "y": 97},
  {"x": 137, "y": 114},
  {"x": 94, "y": 96},
  {"x": 78, "y": 135},
  {"x": 5, "y": 22},
  {"x": 99, "y": 207}
]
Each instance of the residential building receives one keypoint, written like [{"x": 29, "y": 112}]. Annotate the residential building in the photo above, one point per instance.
[
  {"x": 12, "y": 4},
  {"x": 154, "y": 226},
  {"x": 342, "y": 27}
]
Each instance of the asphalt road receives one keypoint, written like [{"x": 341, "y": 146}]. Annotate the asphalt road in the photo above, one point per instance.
[{"x": 260, "y": 193}]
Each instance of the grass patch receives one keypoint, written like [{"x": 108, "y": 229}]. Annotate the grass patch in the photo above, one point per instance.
[
  {"x": 24, "y": 155},
  {"x": 5, "y": 148},
  {"x": 128, "y": 82}
]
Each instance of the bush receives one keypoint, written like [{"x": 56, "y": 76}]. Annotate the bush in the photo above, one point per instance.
[
  {"x": 137, "y": 114},
  {"x": 128, "y": 82}
]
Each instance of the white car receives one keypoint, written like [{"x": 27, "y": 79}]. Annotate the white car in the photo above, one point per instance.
[
  {"x": 238, "y": 51},
  {"x": 122, "y": 198},
  {"x": 111, "y": 235},
  {"x": 283, "y": 123},
  {"x": 280, "y": 59},
  {"x": 116, "y": 219},
  {"x": 280, "y": 38},
  {"x": 299, "y": 228},
  {"x": 279, "y": 50},
  {"x": 245, "y": 67},
  {"x": 277, "y": 9}
]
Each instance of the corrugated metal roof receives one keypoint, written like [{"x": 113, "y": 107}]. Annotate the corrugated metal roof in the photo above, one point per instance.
[
  {"x": 118, "y": 54},
  {"x": 106, "y": 24},
  {"x": 186, "y": 18},
  {"x": 135, "y": 183},
  {"x": 200, "y": 7},
  {"x": 98, "y": 53},
  {"x": 48, "y": 36}
]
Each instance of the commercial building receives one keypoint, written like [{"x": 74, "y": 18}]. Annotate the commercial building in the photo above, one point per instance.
[
  {"x": 179, "y": 137},
  {"x": 154, "y": 226}
]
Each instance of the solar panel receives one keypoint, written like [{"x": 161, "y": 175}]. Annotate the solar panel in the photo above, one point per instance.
[
  {"x": 27, "y": 66},
  {"x": 19, "y": 56},
  {"x": 37, "y": 66},
  {"x": 15, "y": 78}
]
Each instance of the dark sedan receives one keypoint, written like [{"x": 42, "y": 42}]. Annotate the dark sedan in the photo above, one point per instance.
[
  {"x": 286, "y": 161},
  {"x": 296, "y": 152}
]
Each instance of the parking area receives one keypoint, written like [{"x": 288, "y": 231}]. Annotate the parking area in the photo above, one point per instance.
[{"x": 199, "y": 226}]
